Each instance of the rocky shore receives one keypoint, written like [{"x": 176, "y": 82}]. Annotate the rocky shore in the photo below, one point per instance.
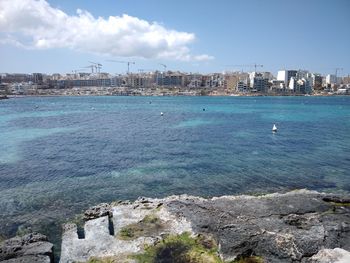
[{"x": 298, "y": 226}]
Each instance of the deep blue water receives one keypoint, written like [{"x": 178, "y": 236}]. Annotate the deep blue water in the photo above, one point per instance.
[{"x": 58, "y": 155}]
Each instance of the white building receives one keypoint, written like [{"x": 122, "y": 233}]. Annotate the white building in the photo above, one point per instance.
[{"x": 285, "y": 75}]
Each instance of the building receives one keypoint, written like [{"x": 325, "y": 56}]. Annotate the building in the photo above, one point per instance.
[
  {"x": 231, "y": 81},
  {"x": 170, "y": 79},
  {"x": 37, "y": 78},
  {"x": 286, "y": 75},
  {"x": 215, "y": 80},
  {"x": 331, "y": 79},
  {"x": 242, "y": 87},
  {"x": 194, "y": 81},
  {"x": 258, "y": 83},
  {"x": 317, "y": 80}
]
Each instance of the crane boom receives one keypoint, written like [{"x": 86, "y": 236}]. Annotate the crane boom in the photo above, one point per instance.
[
  {"x": 247, "y": 65},
  {"x": 125, "y": 62},
  {"x": 163, "y": 66}
]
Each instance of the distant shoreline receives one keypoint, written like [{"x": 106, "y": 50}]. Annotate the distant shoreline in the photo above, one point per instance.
[{"x": 235, "y": 95}]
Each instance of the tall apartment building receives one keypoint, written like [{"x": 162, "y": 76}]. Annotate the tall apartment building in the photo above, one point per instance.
[
  {"x": 317, "y": 81},
  {"x": 286, "y": 75},
  {"x": 170, "y": 79},
  {"x": 258, "y": 82}
]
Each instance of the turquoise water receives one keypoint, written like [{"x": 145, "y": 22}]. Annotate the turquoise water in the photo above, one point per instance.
[{"x": 58, "y": 155}]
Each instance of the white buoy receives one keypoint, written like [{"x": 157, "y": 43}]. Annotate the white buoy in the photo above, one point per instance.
[
  {"x": 274, "y": 128},
  {"x": 161, "y": 114}
]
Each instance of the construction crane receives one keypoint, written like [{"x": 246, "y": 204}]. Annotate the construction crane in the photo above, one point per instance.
[
  {"x": 163, "y": 66},
  {"x": 125, "y": 62},
  {"x": 248, "y": 65},
  {"x": 336, "y": 71},
  {"x": 92, "y": 68},
  {"x": 97, "y": 66},
  {"x": 75, "y": 71}
]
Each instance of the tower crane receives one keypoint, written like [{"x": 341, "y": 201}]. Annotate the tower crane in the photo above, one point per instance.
[
  {"x": 336, "y": 71},
  {"x": 97, "y": 66},
  {"x": 163, "y": 66},
  {"x": 125, "y": 62},
  {"x": 247, "y": 65},
  {"x": 92, "y": 68}
]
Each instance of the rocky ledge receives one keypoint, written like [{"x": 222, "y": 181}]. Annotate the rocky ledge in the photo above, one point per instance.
[
  {"x": 30, "y": 248},
  {"x": 298, "y": 226}
]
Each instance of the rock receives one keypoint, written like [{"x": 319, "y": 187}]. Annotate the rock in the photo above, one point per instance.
[
  {"x": 336, "y": 255},
  {"x": 98, "y": 211},
  {"x": 278, "y": 227},
  {"x": 33, "y": 247},
  {"x": 337, "y": 199},
  {"x": 298, "y": 226},
  {"x": 29, "y": 259}
]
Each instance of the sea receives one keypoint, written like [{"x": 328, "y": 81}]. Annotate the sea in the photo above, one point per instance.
[{"x": 60, "y": 155}]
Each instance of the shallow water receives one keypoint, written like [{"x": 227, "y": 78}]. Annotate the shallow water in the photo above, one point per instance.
[{"x": 58, "y": 155}]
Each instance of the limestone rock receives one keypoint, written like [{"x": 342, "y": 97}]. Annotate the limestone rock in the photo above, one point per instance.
[
  {"x": 33, "y": 247},
  {"x": 98, "y": 211},
  {"x": 336, "y": 255},
  {"x": 298, "y": 226}
]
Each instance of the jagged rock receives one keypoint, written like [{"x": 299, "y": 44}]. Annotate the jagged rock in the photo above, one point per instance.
[
  {"x": 29, "y": 259},
  {"x": 336, "y": 255},
  {"x": 337, "y": 199},
  {"x": 33, "y": 247},
  {"x": 278, "y": 227},
  {"x": 98, "y": 211},
  {"x": 281, "y": 228}
]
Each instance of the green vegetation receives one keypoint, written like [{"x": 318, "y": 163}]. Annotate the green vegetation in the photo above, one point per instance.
[
  {"x": 103, "y": 260},
  {"x": 340, "y": 203},
  {"x": 181, "y": 249},
  {"x": 148, "y": 226},
  {"x": 251, "y": 259}
]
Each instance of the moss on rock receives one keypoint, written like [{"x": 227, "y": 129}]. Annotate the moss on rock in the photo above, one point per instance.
[
  {"x": 181, "y": 249},
  {"x": 150, "y": 225}
]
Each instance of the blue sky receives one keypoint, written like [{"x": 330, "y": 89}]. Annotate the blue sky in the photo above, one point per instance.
[{"x": 210, "y": 35}]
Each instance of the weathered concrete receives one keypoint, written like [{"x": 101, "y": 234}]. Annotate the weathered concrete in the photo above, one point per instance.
[
  {"x": 99, "y": 241},
  {"x": 292, "y": 227},
  {"x": 32, "y": 247}
]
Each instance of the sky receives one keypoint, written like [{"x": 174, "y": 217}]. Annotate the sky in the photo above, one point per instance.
[{"x": 60, "y": 36}]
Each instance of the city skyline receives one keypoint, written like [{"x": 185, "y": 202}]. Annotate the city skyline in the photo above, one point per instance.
[{"x": 62, "y": 36}]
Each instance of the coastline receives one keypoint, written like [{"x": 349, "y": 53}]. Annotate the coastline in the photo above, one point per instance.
[
  {"x": 174, "y": 95},
  {"x": 298, "y": 226}
]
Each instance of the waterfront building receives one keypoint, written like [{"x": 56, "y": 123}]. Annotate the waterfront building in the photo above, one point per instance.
[
  {"x": 215, "y": 80},
  {"x": 258, "y": 83},
  {"x": 242, "y": 86},
  {"x": 277, "y": 86},
  {"x": 194, "y": 81},
  {"x": 16, "y": 78},
  {"x": 317, "y": 80},
  {"x": 286, "y": 75},
  {"x": 231, "y": 81},
  {"x": 37, "y": 78},
  {"x": 170, "y": 78}
]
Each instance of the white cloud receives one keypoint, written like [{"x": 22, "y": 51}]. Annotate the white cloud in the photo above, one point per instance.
[
  {"x": 36, "y": 24},
  {"x": 203, "y": 57}
]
